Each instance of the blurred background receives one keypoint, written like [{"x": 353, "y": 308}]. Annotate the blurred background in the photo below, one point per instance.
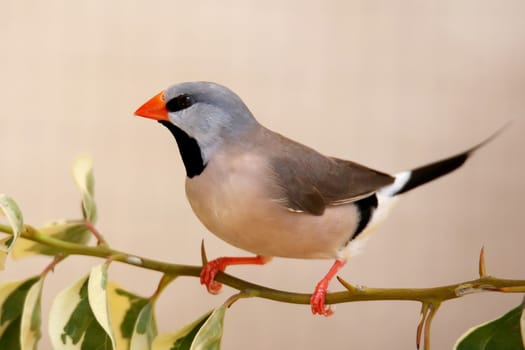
[{"x": 391, "y": 84}]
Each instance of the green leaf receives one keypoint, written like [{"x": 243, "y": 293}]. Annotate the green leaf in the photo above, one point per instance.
[
  {"x": 68, "y": 231},
  {"x": 79, "y": 317},
  {"x": 10, "y": 209},
  {"x": 203, "y": 334},
  {"x": 522, "y": 324},
  {"x": 502, "y": 333},
  {"x": 20, "y": 314},
  {"x": 83, "y": 176}
]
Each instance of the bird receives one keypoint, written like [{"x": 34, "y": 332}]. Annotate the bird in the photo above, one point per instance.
[{"x": 269, "y": 195}]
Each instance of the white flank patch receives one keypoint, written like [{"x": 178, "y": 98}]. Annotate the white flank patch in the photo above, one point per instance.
[
  {"x": 400, "y": 181},
  {"x": 356, "y": 246}
]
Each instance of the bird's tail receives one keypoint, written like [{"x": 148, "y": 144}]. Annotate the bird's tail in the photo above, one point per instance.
[{"x": 407, "y": 180}]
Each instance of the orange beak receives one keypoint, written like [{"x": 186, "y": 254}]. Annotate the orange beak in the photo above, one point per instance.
[{"x": 155, "y": 108}]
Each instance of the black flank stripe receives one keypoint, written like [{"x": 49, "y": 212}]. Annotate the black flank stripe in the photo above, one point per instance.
[{"x": 365, "y": 208}]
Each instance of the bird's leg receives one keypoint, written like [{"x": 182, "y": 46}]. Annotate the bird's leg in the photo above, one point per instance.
[
  {"x": 317, "y": 301},
  {"x": 210, "y": 270}
]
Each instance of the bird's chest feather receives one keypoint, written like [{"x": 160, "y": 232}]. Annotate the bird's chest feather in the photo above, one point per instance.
[
  {"x": 237, "y": 201},
  {"x": 228, "y": 193}
]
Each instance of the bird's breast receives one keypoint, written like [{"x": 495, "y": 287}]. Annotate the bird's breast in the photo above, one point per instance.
[{"x": 236, "y": 199}]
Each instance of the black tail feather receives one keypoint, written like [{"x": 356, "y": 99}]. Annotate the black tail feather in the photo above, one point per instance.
[{"x": 429, "y": 172}]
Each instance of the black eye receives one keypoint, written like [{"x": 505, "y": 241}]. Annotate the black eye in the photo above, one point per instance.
[{"x": 179, "y": 103}]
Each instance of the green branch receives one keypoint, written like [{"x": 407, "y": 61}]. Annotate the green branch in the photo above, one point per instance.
[{"x": 432, "y": 296}]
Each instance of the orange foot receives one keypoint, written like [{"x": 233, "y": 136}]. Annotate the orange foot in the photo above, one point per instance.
[
  {"x": 208, "y": 273},
  {"x": 317, "y": 300},
  {"x": 212, "y": 268}
]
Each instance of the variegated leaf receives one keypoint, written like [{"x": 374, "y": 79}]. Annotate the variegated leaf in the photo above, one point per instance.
[
  {"x": 203, "y": 334},
  {"x": 10, "y": 209},
  {"x": 68, "y": 231},
  {"x": 20, "y": 314},
  {"x": 98, "y": 300},
  {"x": 73, "y": 324},
  {"x": 210, "y": 335},
  {"x": 30, "y": 331},
  {"x": 83, "y": 176},
  {"x": 132, "y": 317}
]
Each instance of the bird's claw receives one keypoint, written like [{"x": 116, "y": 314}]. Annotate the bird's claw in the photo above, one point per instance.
[
  {"x": 208, "y": 273},
  {"x": 317, "y": 301}
]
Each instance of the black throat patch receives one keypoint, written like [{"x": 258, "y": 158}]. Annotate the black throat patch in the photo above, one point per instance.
[{"x": 189, "y": 150}]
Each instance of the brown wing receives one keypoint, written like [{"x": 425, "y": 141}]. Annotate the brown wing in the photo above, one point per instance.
[{"x": 309, "y": 181}]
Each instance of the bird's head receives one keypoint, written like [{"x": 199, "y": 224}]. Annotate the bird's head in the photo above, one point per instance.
[{"x": 201, "y": 116}]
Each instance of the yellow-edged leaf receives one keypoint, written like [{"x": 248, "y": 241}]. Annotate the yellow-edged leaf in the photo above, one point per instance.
[
  {"x": 118, "y": 306},
  {"x": 210, "y": 335},
  {"x": 3, "y": 255},
  {"x": 10, "y": 209},
  {"x": 19, "y": 303},
  {"x": 98, "y": 300},
  {"x": 203, "y": 334},
  {"x": 69, "y": 231},
  {"x": 6, "y": 289},
  {"x": 181, "y": 339},
  {"x": 132, "y": 317},
  {"x": 145, "y": 329},
  {"x": 72, "y": 323},
  {"x": 69, "y": 308},
  {"x": 83, "y": 176},
  {"x": 30, "y": 331}
]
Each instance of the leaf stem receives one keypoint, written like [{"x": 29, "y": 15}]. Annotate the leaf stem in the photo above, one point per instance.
[
  {"x": 421, "y": 324},
  {"x": 91, "y": 228},
  {"x": 51, "y": 267}
]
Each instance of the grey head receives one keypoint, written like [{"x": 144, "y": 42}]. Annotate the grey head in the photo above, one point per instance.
[{"x": 201, "y": 116}]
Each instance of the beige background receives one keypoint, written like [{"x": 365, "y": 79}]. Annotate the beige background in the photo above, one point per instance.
[{"x": 391, "y": 84}]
